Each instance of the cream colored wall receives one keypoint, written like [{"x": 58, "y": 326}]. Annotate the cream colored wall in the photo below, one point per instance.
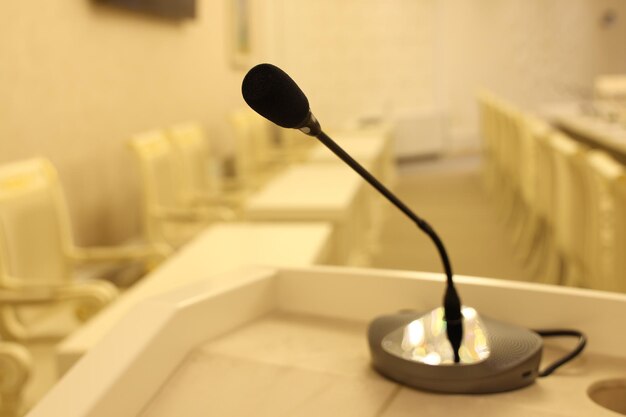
[
  {"x": 78, "y": 78},
  {"x": 359, "y": 57},
  {"x": 530, "y": 51},
  {"x": 368, "y": 56}
]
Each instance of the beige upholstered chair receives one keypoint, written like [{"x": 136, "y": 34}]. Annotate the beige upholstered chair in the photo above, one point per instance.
[
  {"x": 546, "y": 264},
  {"x": 257, "y": 156},
  {"x": 571, "y": 208},
  {"x": 200, "y": 175},
  {"x": 39, "y": 259},
  {"x": 505, "y": 150},
  {"x": 488, "y": 135},
  {"x": 532, "y": 131},
  {"x": 169, "y": 216},
  {"x": 15, "y": 369},
  {"x": 618, "y": 274},
  {"x": 605, "y": 227},
  {"x": 293, "y": 145}
]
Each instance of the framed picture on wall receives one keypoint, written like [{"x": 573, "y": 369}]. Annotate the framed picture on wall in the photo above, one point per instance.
[
  {"x": 179, "y": 9},
  {"x": 240, "y": 33}
]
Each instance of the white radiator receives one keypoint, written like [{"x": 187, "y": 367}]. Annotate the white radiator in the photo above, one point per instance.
[{"x": 418, "y": 132}]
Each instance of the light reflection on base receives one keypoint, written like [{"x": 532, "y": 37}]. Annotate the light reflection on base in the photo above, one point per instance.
[{"x": 425, "y": 341}]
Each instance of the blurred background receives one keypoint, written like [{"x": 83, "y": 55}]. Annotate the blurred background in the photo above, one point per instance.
[
  {"x": 79, "y": 78},
  {"x": 502, "y": 122}
]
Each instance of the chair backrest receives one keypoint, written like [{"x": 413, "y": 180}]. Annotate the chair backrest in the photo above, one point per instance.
[
  {"x": 498, "y": 131},
  {"x": 526, "y": 160},
  {"x": 571, "y": 202},
  {"x": 604, "y": 175},
  {"x": 506, "y": 139},
  {"x": 254, "y": 141},
  {"x": 537, "y": 180},
  {"x": 243, "y": 145},
  {"x": 619, "y": 241},
  {"x": 513, "y": 144},
  {"x": 545, "y": 173},
  {"x": 160, "y": 177},
  {"x": 199, "y": 173},
  {"x": 35, "y": 234}
]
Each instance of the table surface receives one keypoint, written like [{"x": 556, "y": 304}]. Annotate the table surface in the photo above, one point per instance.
[
  {"x": 219, "y": 249},
  {"x": 295, "y": 365},
  {"x": 610, "y": 136},
  {"x": 307, "y": 191}
]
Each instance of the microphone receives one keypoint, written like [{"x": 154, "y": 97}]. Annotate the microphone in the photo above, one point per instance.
[
  {"x": 407, "y": 347},
  {"x": 272, "y": 93}
]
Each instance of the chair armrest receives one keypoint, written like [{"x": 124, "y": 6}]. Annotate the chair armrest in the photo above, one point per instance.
[
  {"x": 36, "y": 295},
  {"x": 92, "y": 295},
  {"x": 15, "y": 291},
  {"x": 120, "y": 253}
]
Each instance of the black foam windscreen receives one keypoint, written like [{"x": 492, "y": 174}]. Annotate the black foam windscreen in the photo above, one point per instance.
[{"x": 272, "y": 93}]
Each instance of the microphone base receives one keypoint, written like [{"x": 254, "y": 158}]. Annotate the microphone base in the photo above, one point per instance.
[{"x": 412, "y": 349}]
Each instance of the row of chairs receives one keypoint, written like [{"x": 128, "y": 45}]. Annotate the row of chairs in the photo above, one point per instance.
[
  {"x": 40, "y": 299},
  {"x": 41, "y": 296},
  {"x": 183, "y": 193},
  {"x": 183, "y": 189},
  {"x": 564, "y": 202},
  {"x": 37, "y": 251}
]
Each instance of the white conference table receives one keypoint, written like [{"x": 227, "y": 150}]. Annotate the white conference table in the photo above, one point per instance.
[
  {"x": 218, "y": 249},
  {"x": 319, "y": 192},
  {"x": 292, "y": 342},
  {"x": 595, "y": 130}
]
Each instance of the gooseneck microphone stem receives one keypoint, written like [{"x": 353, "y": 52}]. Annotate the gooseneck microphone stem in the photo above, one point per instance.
[
  {"x": 451, "y": 299},
  {"x": 421, "y": 223}
]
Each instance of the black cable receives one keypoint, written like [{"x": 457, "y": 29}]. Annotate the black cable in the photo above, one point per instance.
[{"x": 582, "y": 342}]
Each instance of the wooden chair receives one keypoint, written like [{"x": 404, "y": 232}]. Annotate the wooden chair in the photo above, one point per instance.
[{"x": 39, "y": 258}]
